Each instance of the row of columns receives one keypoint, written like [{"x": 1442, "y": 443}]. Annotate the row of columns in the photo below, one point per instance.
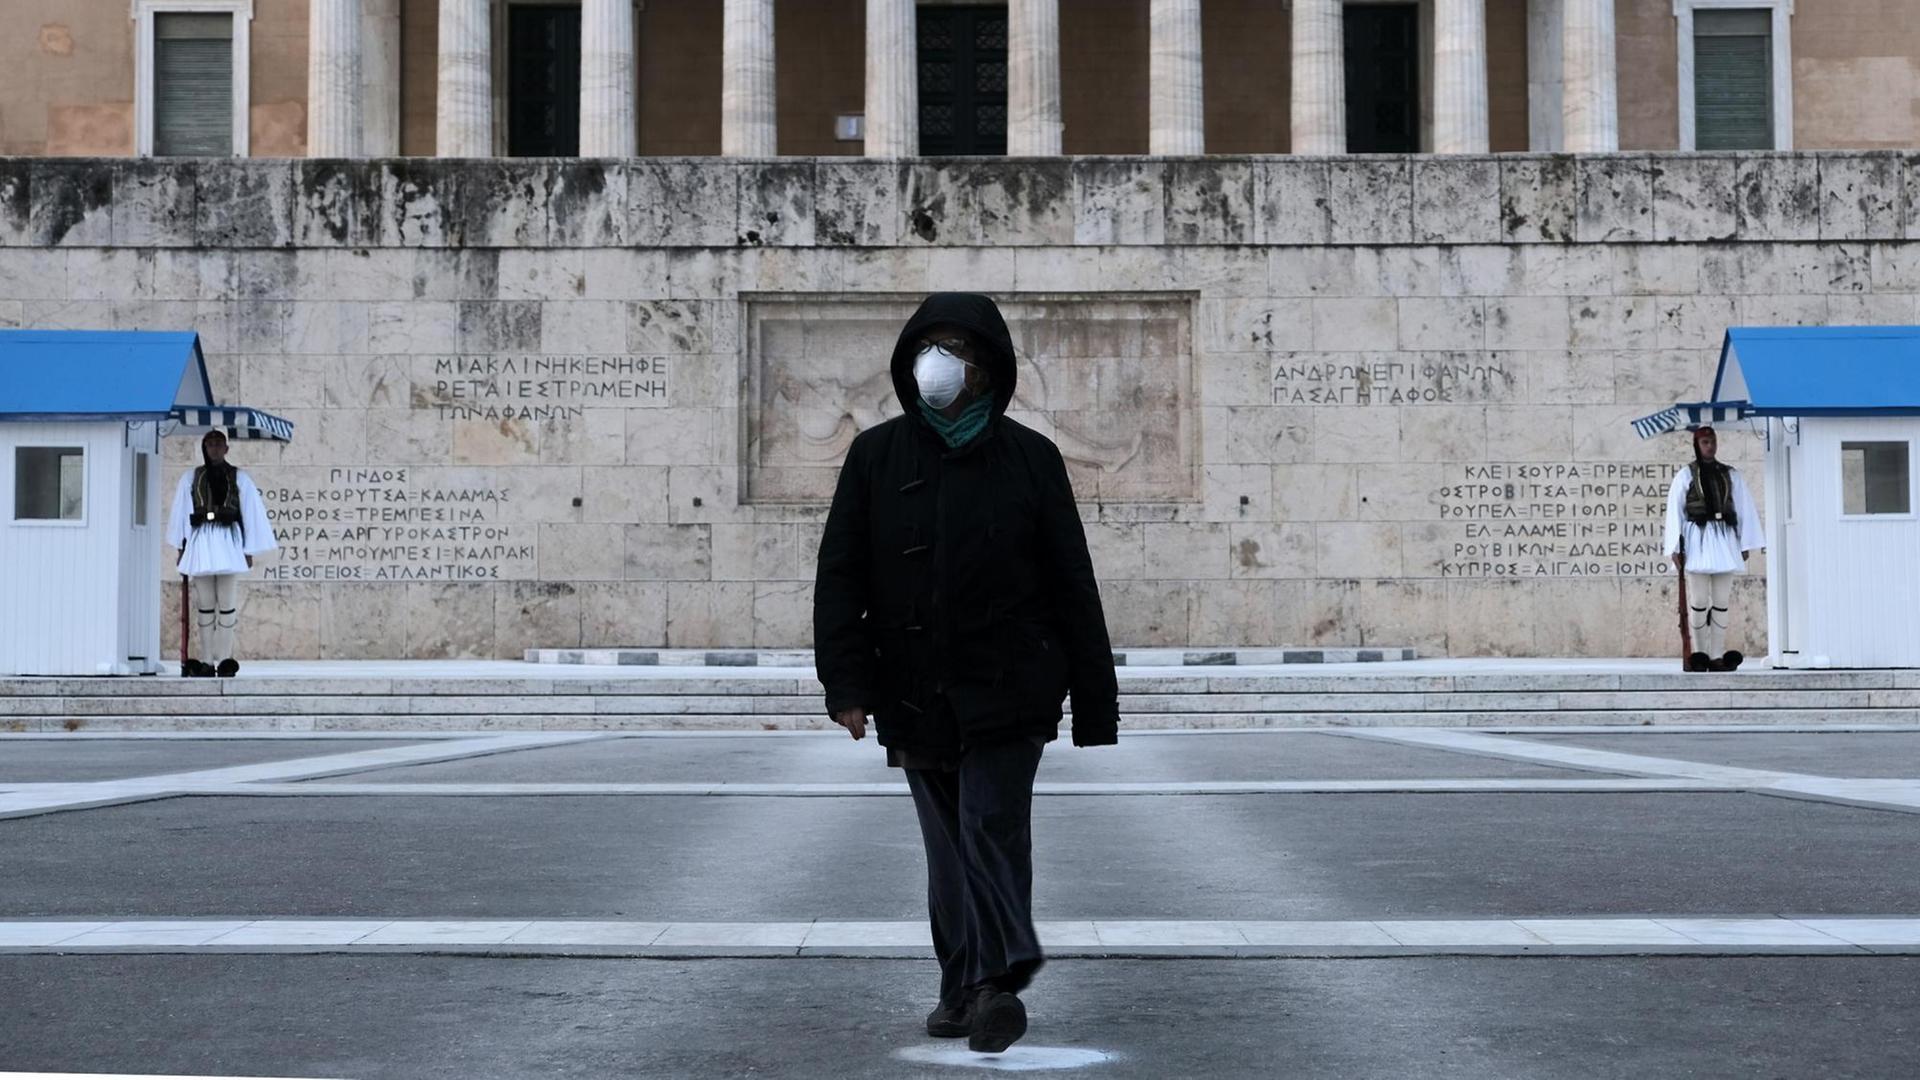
[{"x": 337, "y": 83}]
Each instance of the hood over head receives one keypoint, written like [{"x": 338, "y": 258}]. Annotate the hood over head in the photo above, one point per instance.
[{"x": 980, "y": 318}]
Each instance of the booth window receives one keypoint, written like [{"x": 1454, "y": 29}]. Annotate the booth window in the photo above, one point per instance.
[
  {"x": 140, "y": 481},
  {"x": 1875, "y": 478},
  {"x": 49, "y": 483}
]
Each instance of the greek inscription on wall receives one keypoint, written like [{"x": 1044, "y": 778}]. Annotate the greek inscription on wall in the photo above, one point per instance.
[
  {"x": 537, "y": 387},
  {"x": 1557, "y": 519},
  {"x": 1389, "y": 379},
  {"x": 395, "y": 525}
]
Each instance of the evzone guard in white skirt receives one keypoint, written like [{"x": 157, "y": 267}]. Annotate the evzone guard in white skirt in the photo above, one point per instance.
[
  {"x": 218, "y": 524},
  {"x": 1712, "y": 526}
]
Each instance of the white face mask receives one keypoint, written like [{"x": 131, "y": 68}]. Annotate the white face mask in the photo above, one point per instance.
[{"x": 940, "y": 375}]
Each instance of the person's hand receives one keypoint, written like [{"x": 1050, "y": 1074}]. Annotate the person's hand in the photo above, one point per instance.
[{"x": 854, "y": 720}]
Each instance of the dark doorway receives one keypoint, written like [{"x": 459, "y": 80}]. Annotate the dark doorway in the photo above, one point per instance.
[
  {"x": 963, "y": 80},
  {"x": 543, "y": 81},
  {"x": 1383, "y": 78}
]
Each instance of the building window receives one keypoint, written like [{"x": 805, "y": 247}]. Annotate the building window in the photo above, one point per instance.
[
  {"x": 1875, "y": 479},
  {"x": 1382, "y": 46},
  {"x": 191, "y": 84},
  {"x": 49, "y": 483},
  {"x": 1735, "y": 79},
  {"x": 1732, "y": 80},
  {"x": 543, "y": 80},
  {"x": 963, "y": 80}
]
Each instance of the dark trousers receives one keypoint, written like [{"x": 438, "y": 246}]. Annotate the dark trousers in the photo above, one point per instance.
[{"x": 976, "y": 822}]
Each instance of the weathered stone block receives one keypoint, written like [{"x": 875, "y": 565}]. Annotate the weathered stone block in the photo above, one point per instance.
[
  {"x": 623, "y": 274},
  {"x": 1456, "y": 200},
  {"x": 1442, "y": 323},
  {"x": 1356, "y": 325},
  {"x": 450, "y": 620},
  {"x": 109, "y": 273},
  {"x": 1025, "y": 202},
  {"x": 1436, "y": 433},
  {"x": 326, "y": 327},
  {"x": 1146, "y": 613},
  {"x": 1795, "y": 310},
  {"x": 1616, "y": 198},
  {"x": 1263, "y": 325},
  {"x": 588, "y": 327},
  {"x": 244, "y": 204},
  {"x": 72, "y": 203},
  {"x": 1119, "y": 201},
  {"x": 1411, "y": 490},
  {"x": 1238, "y": 612},
  {"x": 1876, "y": 309},
  {"x": 1118, "y": 550},
  {"x": 499, "y": 326},
  {"x": 1295, "y": 200},
  {"x": 420, "y": 203},
  {"x": 542, "y": 274},
  {"x": 623, "y": 613},
  {"x": 1648, "y": 269},
  {"x": 1778, "y": 197},
  {"x": 1693, "y": 198},
  {"x": 1372, "y": 201},
  {"x": 153, "y": 203},
  {"x": 413, "y": 326},
  {"x": 708, "y": 614},
  {"x": 1861, "y": 197},
  {"x": 669, "y": 327},
  {"x": 682, "y": 203},
  {"x": 776, "y": 205},
  {"x": 1272, "y": 550},
  {"x": 1210, "y": 201},
  {"x": 1658, "y": 378},
  {"x": 677, "y": 437},
  {"x": 587, "y": 207},
  {"x": 1237, "y": 493},
  {"x": 1562, "y": 270},
  {"x": 336, "y": 203},
  {"x": 1533, "y": 432},
  {"x": 1693, "y": 322},
  {"x": 1255, "y": 434},
  {"x": 535, "y": 614},
  {"x": 582, "y": 552},
  {"x": 504, "y": 202},
  {"x": 857, "y": 203},
  {"x": 472, "y": 274},
  {"x": 1910, "y": 170},
  {"x": 1528, "y": 322},
  {"x": 1539, "y": 198},
  {"x": 710, "y": 493},
  {"x": 782, "y": 613},
  {"x": 1560, "y": 377},
  {"x": 1314, "y": 492},
  {"x": 1357, "y": 550},
  {"x": 1355, "y": 435},
  {"x": 16, "y": 202},
  {"x": 1606, "y": 322},
  {"x": 1325, "y": 271}
]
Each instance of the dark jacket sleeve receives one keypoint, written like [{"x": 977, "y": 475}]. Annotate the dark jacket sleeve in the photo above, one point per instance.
[
  {"x": 842, "y": 653},
  {"x": 1079, "y": 617}
]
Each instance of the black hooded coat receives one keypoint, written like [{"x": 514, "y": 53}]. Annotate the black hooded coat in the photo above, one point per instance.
[{"x": 960, "y": 575}]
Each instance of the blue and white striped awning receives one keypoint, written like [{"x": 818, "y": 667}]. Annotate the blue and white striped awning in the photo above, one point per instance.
[
  {"x": 238, "y": 421},
  {"x": 1690, "y": 414}
]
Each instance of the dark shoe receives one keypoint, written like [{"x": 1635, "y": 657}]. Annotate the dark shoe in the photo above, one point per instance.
[
  {"x": 195, "y": 669},
  {"x": 1699, "y": 662},
  {"x": 948, "y": 1021},
  {"x": 1731, "y": 661},
  {"x": 228, "y": 668},
  {"x": 999, "y": 1019}
]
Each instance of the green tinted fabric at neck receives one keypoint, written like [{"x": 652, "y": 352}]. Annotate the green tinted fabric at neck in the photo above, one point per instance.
[{"x": 962, "y": 429}]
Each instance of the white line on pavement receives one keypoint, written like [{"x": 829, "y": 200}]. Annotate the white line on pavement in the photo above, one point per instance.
[
  {"x": 1716, "y": 934},
  {"x": 844, "y": 790}
]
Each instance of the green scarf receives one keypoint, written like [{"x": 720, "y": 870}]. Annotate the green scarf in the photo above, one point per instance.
[{"x": 962, "y": 429}]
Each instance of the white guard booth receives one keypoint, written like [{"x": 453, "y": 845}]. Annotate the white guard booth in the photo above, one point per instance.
[
  {"x": 81, "y": 417},
  {"x": 1840, "y": 409}
]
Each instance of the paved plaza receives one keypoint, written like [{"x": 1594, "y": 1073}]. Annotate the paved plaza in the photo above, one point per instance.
[{"x": 1524, "y": 901}]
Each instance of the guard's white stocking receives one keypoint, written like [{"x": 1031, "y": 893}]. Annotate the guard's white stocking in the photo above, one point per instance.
[
  {"x": 216, "y": 602},
  {"x": 1708, "y": 596}
]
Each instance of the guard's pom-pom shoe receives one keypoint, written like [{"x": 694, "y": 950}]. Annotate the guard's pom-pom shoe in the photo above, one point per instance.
[
  {"x": 948, "y": 1021},
  {"x": 228, "y": 668},
  {"x": 999, "y": 1019},
  {"x": 195, "y": 669},
  {"x": 1731, "y": 661},
  {"x": 1699, "y": 662}
]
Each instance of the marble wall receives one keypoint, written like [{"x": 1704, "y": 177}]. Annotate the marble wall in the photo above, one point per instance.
[{"x": 1347, "y": 401}]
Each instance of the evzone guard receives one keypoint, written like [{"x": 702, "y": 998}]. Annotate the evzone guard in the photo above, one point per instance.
[
  {"x": 1712, "y": 526},
  {"x": 218, "y": 524}
]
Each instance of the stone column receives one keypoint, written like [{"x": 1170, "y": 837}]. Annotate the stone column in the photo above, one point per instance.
[
  {"x": 333, "y": 78},
  {"x": 380, "y": 77},
  {"x": 893, "y": 81},
  {"x": 463, "y": 120},
  {"x": 747, "y": 124},
  {"x": 1460, "y": 77},
  {"x": 1176, "y": 118},
  {"x": 1033, "y": 78},
  {"x": 1319, "y": 78},
  {"x": 607, "y": 126},
  {"x": 1545, "y": 113},
  {"x": 1591, "y": 94}
]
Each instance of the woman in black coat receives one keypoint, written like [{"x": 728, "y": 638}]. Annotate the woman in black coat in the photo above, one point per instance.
[{"x": 956, "y": 606}]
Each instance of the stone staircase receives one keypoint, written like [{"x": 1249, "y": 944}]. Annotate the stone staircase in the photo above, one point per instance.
[{"x": 732, "y": 700}]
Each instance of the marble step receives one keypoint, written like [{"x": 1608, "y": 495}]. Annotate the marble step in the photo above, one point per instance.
[
  {"x": 1220, "y": 657},
  {"x": 321, "y": 721}
]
